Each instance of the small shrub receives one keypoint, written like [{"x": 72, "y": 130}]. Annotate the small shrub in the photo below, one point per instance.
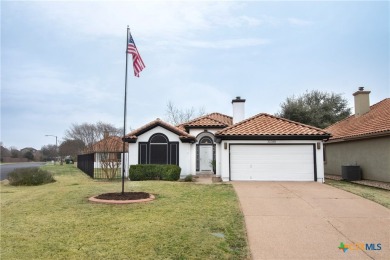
[
  {"x": 142, "y": 172},
  {"x": 188, "y": 178},
  {"x": 170, "y": 173},
  {"x": 29, "y": 177}
]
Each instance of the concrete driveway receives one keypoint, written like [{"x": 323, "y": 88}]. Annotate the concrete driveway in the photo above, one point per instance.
[{"x": 308, "y": 220}]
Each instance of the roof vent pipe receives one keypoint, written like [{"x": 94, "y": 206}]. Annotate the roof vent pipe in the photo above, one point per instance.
[{"x": 238, "y": 109}]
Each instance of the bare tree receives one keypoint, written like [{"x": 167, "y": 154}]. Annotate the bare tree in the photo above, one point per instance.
[
  {"x": 89, "y": 133},
  {"x": 108, "y": 155},
  {"x": 178, "y": 116},
  {"x": 4, "y": 152},
  {"x": 110, "y": 159},
  {"x": 49, "y": 152},
  {"x": 71, "y": 148},
  {"x": 15, "y": 153}
]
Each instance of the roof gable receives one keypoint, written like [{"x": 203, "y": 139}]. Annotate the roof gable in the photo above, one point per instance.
[
  {"x": 374, "y": 122},
  {"x": 267, "y": 126},
  {"x": 213, "y": 120},
  {"x": 184, "y": 136}
]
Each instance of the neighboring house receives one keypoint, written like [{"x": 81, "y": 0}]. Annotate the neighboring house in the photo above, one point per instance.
[
  {"x": 37, "y": 155},
  {"x": 108, "y": 154},
  {"x": 262, "y": 147},
  {"x": 362, "y": 139},
  {"x": 28, "y": 149},
  {"x": 7, "y": 156}
]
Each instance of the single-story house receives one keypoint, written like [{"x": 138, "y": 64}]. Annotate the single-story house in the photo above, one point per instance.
[
  {"x": 262, "y": 147},
  {"x": 362, "y": 139}
]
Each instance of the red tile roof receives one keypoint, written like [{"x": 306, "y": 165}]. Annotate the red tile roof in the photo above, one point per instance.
[
  {"x": 271, "y": 126},
  {"x": 109, "y": 144},
  {"x": 214, "y": 120},
  {"x": 183, "y": 135},
  {"x": 259, "y": 126},
  {"x": 373, "y": 123}
]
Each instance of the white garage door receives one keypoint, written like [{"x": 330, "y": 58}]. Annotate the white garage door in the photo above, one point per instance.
[{"x": 272, "y": 162}]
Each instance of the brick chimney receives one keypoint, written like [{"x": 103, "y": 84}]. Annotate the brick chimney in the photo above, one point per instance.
[
  {"x": 362, "y": 101},
  {"x": 106, "y": 134},
  {"x": 238, "y": 109}
]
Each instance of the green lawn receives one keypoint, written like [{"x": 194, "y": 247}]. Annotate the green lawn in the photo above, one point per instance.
[
  {"x": 56, "y": 221},
  {"x": 379, "y": 196}
]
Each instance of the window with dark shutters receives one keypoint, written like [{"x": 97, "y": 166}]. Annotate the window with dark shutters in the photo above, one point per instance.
[{"x": 158, "y": 151}]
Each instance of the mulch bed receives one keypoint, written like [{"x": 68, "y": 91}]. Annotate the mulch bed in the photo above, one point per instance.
[{"x": 124, "y": 196}]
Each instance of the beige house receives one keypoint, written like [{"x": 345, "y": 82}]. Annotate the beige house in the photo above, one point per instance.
[{"x": 362, "y": 139}]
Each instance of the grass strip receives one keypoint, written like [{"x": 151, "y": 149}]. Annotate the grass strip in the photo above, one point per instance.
[{"x": 377, "y": 195}]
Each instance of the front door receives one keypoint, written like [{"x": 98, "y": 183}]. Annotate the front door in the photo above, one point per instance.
[{"x": 206, "y": 157}]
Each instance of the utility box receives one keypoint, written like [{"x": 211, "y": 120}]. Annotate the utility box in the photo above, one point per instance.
[{"x": 351, "y": 173}]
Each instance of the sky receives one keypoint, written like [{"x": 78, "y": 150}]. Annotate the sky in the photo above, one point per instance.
[{"x": 63, "y": 63}]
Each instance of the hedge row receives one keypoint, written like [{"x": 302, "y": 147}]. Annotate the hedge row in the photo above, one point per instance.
[
  {"x": 30, "y": 177},
  {"x": 143, "y": 172}
]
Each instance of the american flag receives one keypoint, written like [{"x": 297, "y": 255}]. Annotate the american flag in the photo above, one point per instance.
[{"x": 138, "y": 63}]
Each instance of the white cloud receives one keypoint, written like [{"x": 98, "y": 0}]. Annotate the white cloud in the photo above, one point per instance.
[
  {"x": 38, "y": 88},
  {"x": 33, "y": 79},
  {"x": 298, "y": 22},
  {"x": 70, "y": 65},
  {"x": 251, "y": 21},
  {"x": 146, "y": 19},
  {"x": 202, "y": 95},
  {"x": 40, "y": 99},
  {"x": 227, "y": 44}
]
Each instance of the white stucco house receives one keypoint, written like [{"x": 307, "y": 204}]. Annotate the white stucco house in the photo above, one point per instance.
[{"x": 260, "y": 148}]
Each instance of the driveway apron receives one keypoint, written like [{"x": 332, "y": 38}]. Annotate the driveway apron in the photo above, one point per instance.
[{"x": 309, "y": 220}]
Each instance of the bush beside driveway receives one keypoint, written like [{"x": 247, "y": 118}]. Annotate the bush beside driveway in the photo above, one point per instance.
[{"x": 56, "y": 221}]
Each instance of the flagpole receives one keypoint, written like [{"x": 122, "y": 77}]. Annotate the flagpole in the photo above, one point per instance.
[{"x": 124, "y": 116}]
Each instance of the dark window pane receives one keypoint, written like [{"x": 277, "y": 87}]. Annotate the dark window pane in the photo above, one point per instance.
[
  {"x": 143, "y": 159},
  {"x": 174, "y": 153},
  {"x": 158, "y": 154}
]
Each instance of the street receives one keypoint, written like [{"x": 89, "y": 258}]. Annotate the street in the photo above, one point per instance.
[{"x": 7, "y": 168}]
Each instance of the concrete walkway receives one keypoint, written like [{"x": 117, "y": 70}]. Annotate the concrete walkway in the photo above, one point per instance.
[{"x": 308, "y": 220}]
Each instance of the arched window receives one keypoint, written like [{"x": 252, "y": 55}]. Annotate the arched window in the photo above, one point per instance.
[
  {"x": 206, "y": 140},
  {"x": 158, "y": 139},
  {"x": 158, "y": 150}
]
